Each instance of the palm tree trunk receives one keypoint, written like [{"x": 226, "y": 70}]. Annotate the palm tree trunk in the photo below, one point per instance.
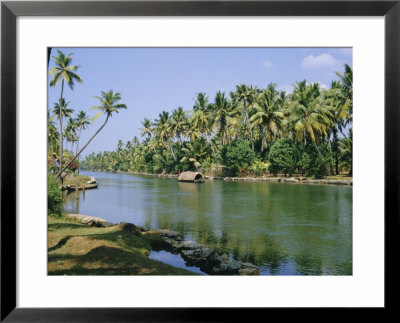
[
  {"x": 335, "y": 140},
  {"x": 83, "y": 148},
  {"x": 77, "y": 145},
  {"x": 330, "y": 149},
  {"x": 316, "y": 147},
  {"x": 172, "y": 151},
  {"x": 264, "y": 140},
  {"x": 61, "y": 129},
  {"x": 248, "y": 125}
]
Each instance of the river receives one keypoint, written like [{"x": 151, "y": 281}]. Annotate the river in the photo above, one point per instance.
[{"x": 285, "y": 229}]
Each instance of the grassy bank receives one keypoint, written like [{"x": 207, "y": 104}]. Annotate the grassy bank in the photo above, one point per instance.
[{"x": 78, "y": 249}]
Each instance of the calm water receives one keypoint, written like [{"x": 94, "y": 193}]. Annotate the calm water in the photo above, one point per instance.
[{"x": 285, "y": 229}]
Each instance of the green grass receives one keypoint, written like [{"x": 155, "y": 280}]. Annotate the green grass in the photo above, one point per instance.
[{"x": 77, "y": 249}]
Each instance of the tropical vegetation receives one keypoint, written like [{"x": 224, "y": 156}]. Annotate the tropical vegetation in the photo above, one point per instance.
[
  {"x": 66, "y": 160},
  {"x": 251, "y": 131}
]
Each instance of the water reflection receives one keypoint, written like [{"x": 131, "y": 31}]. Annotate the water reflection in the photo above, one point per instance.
[{"x": 286, "y": 229}]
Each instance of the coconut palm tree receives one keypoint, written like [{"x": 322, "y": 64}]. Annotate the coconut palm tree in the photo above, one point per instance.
[
  {"x": 200, "y": 118},
  {"x": 70, "y": 132},
  {"x": 82, "y": 122},
  {"x": 346, "y": 150},
  {"x": 61, "y": 110},
  {"x": 307, "y": 116},
  {"x": 65, "y": 72},
  {"x": 197, "y": 151},
  {"x": 163, "y": 130},
  {"x": 223, "y": 116},
  {"x": 268, "y": 114},
  {"x": 147, "y": 129},
  {"x": 109, "y": 104},
  {"x": 178, "y": 123},
  {"x": 52, "y": 135},
  {"x": 245, "y": 95},
  {"x": 332, "y": 101},
  {"x": 346, "y": 79}
]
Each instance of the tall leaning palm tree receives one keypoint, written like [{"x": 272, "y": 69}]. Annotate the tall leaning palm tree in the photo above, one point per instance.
[
  {"x": 64, "y": 71},
  {"x": 109, "y": 104}
]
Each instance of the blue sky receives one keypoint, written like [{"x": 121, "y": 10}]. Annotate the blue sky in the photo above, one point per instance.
[{"x": 154, "y": 79}]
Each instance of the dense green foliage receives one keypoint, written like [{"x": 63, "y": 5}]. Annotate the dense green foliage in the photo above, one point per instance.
[
  {"x": 252, "y": 131},
  {"x": 54, "y": 197},
  {"x": 283, "y": 156},
  {"x": 237, "y": 155}
]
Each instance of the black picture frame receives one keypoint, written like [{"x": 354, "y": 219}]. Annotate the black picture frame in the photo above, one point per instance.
[{"x": 10, "y": 10}]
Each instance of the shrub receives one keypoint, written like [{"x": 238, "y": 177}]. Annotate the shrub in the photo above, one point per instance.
[
  {"x": 311, "y": 163},
  {"x": 283, "y": 156},
  {"x": 237, "y": 155},
  {"x": 54, "y": 197},
  {"x": 258, "y": 167}
]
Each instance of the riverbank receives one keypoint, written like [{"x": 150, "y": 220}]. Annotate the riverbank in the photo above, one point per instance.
[
  {"x": 331, "y": 180},
  {"x": 86, "y": 245},
  {"x": 75, "y": 248}
]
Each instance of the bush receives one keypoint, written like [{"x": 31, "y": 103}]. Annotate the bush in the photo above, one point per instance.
[
  {"x": 318, "y": 169},
  {"x": 311, "y": 163},
  {"x": 54, "y": 197},
  {"x": 283, "y": 156},
  {"x": 258, "y": 168},
  {"x": 237, "y": 155}
]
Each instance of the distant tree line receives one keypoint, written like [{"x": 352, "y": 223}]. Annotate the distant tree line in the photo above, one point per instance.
[{"x": 250, "y": 132}]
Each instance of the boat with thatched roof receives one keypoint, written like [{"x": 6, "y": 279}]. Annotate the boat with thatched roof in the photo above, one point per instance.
[{"x": 191, "y": 177}]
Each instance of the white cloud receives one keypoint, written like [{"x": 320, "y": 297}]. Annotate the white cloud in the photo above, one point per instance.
[
  {"x": 321, "y": 61},
  {"x": 267, "y": 64},
  {"x": 323, "y": 86}
]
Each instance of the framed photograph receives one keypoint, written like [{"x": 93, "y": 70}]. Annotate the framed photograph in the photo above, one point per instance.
[{"x": 218, "y": 139}]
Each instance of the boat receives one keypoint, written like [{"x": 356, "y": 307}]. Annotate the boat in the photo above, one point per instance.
[
  {"x": 86, "y": 186},
  {"x": 191, "y": 177}
]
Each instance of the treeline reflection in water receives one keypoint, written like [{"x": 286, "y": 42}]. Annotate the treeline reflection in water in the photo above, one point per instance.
[{"x": 286, "y": 229}]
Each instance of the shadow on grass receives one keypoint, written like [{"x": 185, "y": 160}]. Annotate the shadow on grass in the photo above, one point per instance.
[
  {"x": 60, "y": 226},
  {"x": 62, "y": 242},
  {"x": 58, "y": 257},
  {"x": 124, "y": 239},
  {"x": 111, "y": 261}
]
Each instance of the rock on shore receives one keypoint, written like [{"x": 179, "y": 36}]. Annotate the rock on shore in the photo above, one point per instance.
[
  {"x": 195, "y": 254},
  {"x": 296, "y": 180},
  {"x": 198, "y": 255},
  {"x": 90, "y": 220}
]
